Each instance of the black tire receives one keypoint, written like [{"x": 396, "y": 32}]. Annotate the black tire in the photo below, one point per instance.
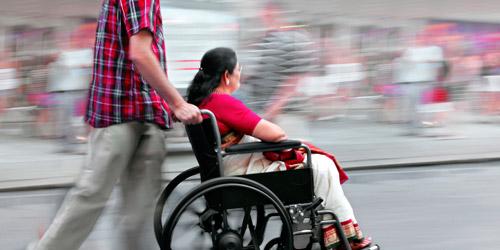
[
  {"x": 162, "y": 199},
  {"x": 271, "y": 243},
  {"x": 228, "y": 182}
]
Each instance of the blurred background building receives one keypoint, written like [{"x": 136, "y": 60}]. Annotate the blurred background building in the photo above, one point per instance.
[{"x": 359, "y": 48}]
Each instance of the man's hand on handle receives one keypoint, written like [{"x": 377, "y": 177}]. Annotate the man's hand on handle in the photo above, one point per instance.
[{"x": 187, "y": 113}]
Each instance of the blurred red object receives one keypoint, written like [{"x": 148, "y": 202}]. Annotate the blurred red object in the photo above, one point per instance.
[{"x": 435, "y": 95}]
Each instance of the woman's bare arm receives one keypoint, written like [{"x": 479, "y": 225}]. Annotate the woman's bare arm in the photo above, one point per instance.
[{"x": 268, "y": 131}]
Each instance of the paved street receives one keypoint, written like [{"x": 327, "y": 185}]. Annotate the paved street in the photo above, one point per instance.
[
  {"x": 431, "y": 208},
  {"x": 441, "y": 208},
  {"x": 30, "y": 162}
]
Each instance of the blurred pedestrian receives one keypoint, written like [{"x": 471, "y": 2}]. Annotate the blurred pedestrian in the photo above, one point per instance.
[
  {"x": 490, "y": 73},
  {"x": 40, "y": 98},
  {"x": 68, "y": 82},
  {"x": 331, "y": 90},
  {"x": 128, "y": 110},
  {"x": 436, "y": 103},
  {"x": 8, "y": 82},
  {"x": 287, "y": 56},
  {"x": 418, "y": 69},
  {"x": 387, "y": 88}
]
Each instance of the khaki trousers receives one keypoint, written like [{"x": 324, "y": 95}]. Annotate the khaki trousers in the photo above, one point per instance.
[{"x": 132, "y": 153}]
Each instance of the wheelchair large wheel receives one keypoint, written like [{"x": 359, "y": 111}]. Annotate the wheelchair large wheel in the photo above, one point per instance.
[
  {"x": 165, "y": 194},
  {"x": 218, "y": 225}
]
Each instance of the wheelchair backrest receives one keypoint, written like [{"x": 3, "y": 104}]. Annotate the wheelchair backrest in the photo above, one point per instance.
[{"x": 205, "y": 141}]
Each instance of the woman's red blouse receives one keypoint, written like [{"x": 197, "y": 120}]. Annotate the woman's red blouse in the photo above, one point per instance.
[{"x": 231, "y": 114}]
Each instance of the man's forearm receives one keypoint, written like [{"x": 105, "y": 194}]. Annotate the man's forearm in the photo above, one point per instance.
[{"x": 151, "y": 71}]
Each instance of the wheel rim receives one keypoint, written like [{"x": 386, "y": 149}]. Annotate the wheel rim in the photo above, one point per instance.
[
  {"x": 221, "y": 183},
  {"x": 167, "y": 191}
]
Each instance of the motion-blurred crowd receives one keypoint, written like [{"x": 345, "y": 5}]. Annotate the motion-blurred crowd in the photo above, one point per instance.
[{"x": 292, "y": 69}]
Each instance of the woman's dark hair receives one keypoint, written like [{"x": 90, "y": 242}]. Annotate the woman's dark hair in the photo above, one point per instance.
[{"x": 213, "y": 65}]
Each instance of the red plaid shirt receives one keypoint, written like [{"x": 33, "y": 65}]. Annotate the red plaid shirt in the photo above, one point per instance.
[{"x": 117, "y": 92}]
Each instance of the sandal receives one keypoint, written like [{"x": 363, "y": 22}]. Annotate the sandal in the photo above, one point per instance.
[{"x": 358, "y": 245}]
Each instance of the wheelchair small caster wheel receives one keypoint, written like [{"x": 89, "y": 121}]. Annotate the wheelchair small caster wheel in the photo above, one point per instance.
[{"x": 229, "y": 240}]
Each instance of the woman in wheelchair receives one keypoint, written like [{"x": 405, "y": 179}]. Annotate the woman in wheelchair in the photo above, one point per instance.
[{"x": 211, "y": 88}]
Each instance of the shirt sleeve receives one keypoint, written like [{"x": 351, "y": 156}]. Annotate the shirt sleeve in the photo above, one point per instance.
[
  {"x": 138, "y": 15},
  {"x": 236, "y": 115}
]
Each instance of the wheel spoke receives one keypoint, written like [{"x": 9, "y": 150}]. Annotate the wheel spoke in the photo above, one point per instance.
[
  {"x": 251, "y": 228},
  {"x": 244, "y": 224}
]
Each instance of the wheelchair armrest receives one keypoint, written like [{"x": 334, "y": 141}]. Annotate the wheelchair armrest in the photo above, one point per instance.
[{"x": 253, "y": 147}]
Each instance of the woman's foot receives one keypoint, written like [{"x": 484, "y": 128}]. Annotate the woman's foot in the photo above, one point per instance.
[{"x": 357, "y": 245}]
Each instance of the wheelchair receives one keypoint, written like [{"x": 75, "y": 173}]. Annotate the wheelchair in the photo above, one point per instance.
[{"x": 234, "y": 211}]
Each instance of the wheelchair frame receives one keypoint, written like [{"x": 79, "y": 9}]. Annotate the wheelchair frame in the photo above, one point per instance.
[{"x": 294, "y": 205}]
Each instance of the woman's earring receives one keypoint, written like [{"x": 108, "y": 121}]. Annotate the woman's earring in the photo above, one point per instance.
[{"x": 227, "y": 82}]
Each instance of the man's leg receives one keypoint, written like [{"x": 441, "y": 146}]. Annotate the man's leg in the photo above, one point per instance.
[
  {"x": 140, "y": 184},
  {"x": 110, "y": 150}
]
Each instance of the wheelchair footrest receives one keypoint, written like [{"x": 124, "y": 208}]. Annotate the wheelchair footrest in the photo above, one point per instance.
[{"x": 372, "y": 247}]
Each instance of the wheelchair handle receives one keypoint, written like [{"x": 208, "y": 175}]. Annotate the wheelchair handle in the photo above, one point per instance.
[
  {"x": 308, "y": 153},
  {"x": 207, "y": 112}
]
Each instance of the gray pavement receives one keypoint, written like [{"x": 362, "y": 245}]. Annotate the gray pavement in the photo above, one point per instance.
[
  {"x": 30, "y": 163},
  {"x": 432, "y": 208}
]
